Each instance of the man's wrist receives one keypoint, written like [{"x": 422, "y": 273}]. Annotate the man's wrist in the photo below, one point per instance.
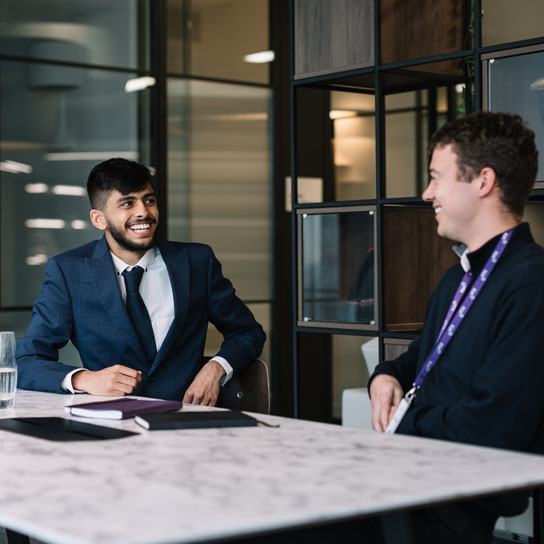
[
  {"x": 79, "y": 379},
  {"x": 218, "y": 368}
]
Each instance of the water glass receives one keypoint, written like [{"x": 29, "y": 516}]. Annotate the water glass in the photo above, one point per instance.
[{"x": 8, "y": 369}]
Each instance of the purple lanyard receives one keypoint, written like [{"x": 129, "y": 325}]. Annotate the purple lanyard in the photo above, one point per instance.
[{"x": 453, "y": 319}]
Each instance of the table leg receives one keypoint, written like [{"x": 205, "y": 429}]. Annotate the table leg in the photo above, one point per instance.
[
  {"x": 16, "y": 538},
  {"x": 397, "y": 528},
  {"x": 538, "y": 516}
]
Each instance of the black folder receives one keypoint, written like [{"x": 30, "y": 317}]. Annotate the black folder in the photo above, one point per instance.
[
  {"x": 195, "y": 420},
  {"x": 60, "y": 429}
]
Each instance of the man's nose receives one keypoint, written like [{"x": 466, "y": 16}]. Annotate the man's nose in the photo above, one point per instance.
[
  {"x": 428, "y": 193},
  {"x": 139, "y": 209}
]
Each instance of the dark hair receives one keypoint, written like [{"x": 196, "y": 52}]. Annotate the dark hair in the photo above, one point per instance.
[
  {"x": 115, "y": 175},
  {"x": 496, "y": 140}
]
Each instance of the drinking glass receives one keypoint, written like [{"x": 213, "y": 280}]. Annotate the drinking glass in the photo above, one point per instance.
[{"x": 8, "y": 369}]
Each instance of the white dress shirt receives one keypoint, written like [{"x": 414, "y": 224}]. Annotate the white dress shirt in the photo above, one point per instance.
[{"x": 156, "y": 292}]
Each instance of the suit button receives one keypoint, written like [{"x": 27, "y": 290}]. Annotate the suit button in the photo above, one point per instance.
[{"x": 151, "y": 379}]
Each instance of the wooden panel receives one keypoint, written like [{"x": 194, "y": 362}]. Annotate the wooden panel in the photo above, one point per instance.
[
  {"x": 393, "y": 347},
  {"x": 414, "y": 259},
  {"x": 332, "y": 36},
  {"x": 412, "y": 29}
]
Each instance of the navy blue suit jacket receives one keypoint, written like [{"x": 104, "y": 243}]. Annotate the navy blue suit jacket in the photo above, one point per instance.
[{"x": 81, "y": 301}]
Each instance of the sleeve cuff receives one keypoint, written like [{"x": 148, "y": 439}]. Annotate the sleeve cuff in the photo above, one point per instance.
[
  {"x": 228, "y": 369},
  {"x": 66, "y": 384}
]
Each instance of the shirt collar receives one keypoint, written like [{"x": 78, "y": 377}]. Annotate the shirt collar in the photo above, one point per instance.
[
  {"x": 477, "y": 259},
  {"x": 145, "y": 262},
  {"x": 465, "y": 263}
]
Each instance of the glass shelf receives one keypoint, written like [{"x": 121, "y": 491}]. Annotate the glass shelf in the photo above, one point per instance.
[
  {"x": 513, "y": 81},
  {"x": 336, "y": 267}
]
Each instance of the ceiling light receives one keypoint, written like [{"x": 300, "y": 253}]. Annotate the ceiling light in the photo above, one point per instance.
[
  {"x": 342, "y": 114},
  {"x": 260, "y": 57},
  {"x": 69, "y": 190},
  {"x": 34, "y": 260},
  {"x": 139, "y": 84},
  {"x": 44, "y": 223},
  {"x": 79, "y": 224},
  {"x": 15, "y": 167},
  {"x": 91, "y": 155},
  {"x": 36, "y": 188}
]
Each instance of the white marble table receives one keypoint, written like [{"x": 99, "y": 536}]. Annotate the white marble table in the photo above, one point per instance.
[{"x": 196, "y": 485}]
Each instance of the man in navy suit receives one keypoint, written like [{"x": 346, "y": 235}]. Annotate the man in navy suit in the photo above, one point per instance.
[{"x": 145, "y": 338}]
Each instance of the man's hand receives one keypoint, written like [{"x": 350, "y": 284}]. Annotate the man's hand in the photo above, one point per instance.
[
  {"x": 205, "y": 387},
  {"x": 116, "y": 380},
  {"x": 385, "y": 395}
]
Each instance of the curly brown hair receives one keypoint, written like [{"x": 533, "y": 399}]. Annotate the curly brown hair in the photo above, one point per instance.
[{"x": 500, "y": 141}]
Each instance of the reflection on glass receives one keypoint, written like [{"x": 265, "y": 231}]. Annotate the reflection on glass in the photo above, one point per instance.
[
  {"x": 336, "y": 271},
  {"x": 516, "y": 85},
  {"x": 56, "y": 123},
  {"x": 354, "y": 145},
  {"x": 212, "y": 37},
  {"x": 219, "y": 174},
  {"x": 83, "y": 31},
  {"x": 506, "y": 21}
]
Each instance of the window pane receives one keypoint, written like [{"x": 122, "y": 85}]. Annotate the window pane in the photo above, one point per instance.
[
  {"x": 219, "y": 177},
  {"x": 56, "y": 123},
  {"x": 337, "y": 280},
  {"x": 506, "y": 21},
  {"x": 212, "y": 38},
  {"x": 83, "y": 31}
]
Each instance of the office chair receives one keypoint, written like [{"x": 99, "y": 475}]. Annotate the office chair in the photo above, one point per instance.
[{"x": 247, "y": 391}]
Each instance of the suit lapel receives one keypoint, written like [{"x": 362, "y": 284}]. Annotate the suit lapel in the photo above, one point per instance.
[
  {"x": 177, "y": 264},
  {"x": 104, "y": 278}
]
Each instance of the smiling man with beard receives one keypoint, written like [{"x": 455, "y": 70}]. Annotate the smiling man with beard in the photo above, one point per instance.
[{"x": 136, "y": 308}]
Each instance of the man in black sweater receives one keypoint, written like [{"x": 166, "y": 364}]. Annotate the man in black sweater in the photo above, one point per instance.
[{"x": 486, "y": 386}]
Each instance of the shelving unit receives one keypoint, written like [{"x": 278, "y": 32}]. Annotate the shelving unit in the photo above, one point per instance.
[{"x": 371, "y": 82}]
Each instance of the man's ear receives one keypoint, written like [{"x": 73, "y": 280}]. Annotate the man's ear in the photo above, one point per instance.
[
  {"x": 98, "y": 220},
  {"x": 486, "y": 181}
]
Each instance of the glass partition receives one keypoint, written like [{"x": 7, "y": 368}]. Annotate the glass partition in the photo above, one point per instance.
[
  {"x": 56, "y": 123},
  {"x": 98, "y": 32},
  {"x": 336, "y": 267},
  {"x": 213, "y": 38},
  {"x": 219, "y": 171}
]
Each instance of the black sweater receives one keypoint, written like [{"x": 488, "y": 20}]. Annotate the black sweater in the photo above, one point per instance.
[{"x": 487, "y": 388}]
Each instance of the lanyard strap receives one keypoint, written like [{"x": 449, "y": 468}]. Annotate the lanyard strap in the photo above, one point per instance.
[{"x": 459, "y": 307}]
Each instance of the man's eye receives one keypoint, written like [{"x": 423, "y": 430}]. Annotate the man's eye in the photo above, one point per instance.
[{"x": 150, "y": 201}]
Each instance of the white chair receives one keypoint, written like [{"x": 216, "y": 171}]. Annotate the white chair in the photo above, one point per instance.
[{"x": 356, "y": 408}]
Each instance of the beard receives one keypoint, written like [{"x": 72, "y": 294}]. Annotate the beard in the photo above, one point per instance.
[{"x": 128, "y": 244}]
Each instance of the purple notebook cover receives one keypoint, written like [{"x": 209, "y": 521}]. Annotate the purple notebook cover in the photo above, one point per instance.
[{"x": 126, "y": 407}]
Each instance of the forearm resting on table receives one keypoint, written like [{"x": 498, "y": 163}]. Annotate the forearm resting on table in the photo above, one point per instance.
[{"x": 116, "y": 380}]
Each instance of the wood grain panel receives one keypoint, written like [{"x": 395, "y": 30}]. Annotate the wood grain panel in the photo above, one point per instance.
[
  {"x": 332, "y": 36},
  {"x": 412, "y": 29},
  {"x": 414, "y": 259}
]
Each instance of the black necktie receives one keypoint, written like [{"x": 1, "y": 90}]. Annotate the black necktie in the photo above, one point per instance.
[{"x": 138, "y": 312}]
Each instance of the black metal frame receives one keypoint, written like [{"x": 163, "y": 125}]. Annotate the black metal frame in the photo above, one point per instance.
[{"x": 343, "y": 81}]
